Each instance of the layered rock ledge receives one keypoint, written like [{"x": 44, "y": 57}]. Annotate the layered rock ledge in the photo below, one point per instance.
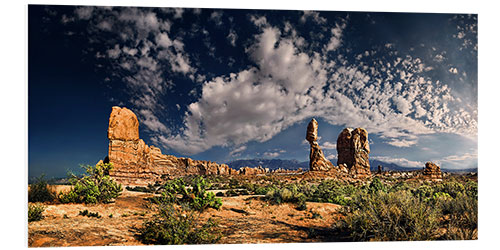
[{"x": 137, "y": 164}]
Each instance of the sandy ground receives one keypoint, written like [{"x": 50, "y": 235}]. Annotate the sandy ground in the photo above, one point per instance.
[{"x": 242, "y": 219}]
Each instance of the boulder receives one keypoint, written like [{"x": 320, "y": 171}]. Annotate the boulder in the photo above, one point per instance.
[
  {"x": 432, "y": 172},
  {"x": 353, "y": 149},
  {"x": 317, "y": 160}
]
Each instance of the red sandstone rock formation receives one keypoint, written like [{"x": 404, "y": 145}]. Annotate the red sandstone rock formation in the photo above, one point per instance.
[
  {"x": 317, "y": 160},
  {"x": 137, "y": 164},
  {"x": 253, "y": 171},
  {"x": 432, "y": 172},
  {"x": 353, "y": 149}
]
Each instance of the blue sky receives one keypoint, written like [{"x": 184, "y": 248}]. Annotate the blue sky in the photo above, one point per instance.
[{"x": 220, "y": 84}]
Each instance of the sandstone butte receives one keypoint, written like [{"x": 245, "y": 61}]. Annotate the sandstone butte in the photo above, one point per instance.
[
  {"x": 137, "y": 164},
  {"x": 432, "y": 172}
]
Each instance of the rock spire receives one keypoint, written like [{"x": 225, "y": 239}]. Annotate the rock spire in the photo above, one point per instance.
[
  {"x": 353, "y": 149},
  {"x": 317, "y": 160}
]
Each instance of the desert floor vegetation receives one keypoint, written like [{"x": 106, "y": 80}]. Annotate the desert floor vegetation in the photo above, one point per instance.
[{"x": 225, "y": 209}]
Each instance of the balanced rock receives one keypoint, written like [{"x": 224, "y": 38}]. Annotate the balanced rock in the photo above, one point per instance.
[
  {"x": 432, "y": 172},
  {"x": 353, "y": 149},
  {"x": 317, "y": 160}
]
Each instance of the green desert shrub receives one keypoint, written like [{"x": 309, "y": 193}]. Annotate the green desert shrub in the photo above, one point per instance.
[
  {"x": 410, "y": 211},
  {"x": 424, "y": 192},
  {"x": 471, "y": 189},
  {"x": 40, "y": 191},
  {"x": 376, "y": 185},
  {"x": 331, "y": 191},
  {"x": 175, "y": 226},
  {"x": 90, "y": 214},
  {"x": 401, "y": 185},
  {"x": 94, "y": 187},
  {"x": 289, "y": 194},
  {"x": 453, "y": 188},
  {"x": 195, "y": 195},
  {"x": 390, "y": 216},
  {"x": 262, "y": 190},
  {"x": 462, "y": 214},
  {"x": 35, "y": 212}
]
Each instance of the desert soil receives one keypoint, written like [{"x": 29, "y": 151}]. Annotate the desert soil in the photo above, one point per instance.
[{"x": 242, "y": 219}]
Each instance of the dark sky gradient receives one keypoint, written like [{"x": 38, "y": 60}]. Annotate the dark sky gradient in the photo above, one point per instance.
[
  {"x": 74, "y": 80},
  {"x": 68, "y": 104}
]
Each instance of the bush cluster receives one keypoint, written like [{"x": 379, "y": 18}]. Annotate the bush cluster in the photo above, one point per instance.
[
  {"x": 327, "y": 191},
  {"x": 35, "y": 212},
  {"x": 290, "y": 194},
  {"x": 380, "y": 210},
  {"x": 94, "y": 187},
  {"x": 177, "y": 220},
  {"x": 90, "y": 214},
  {"x": 40, "y": 191},
  {"x": 175, "y": 226},
  {"x": 194, "y": 195},
  {"x": 390, "y": 216},
  {"x": 412, "y": 212},
  {"x": 149, "y": 189}
]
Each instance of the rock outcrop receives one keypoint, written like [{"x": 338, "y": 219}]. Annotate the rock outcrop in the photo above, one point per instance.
[
  {"x": 253, "y": 171},
  {"x": 353, "y": 149},
  {"x": 317, "y": 160},
  {"x": 135, "y": 163},
  {"x": 432, "y": 172}
]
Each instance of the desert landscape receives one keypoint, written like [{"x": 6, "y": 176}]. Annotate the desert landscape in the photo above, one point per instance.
[
  {"x": 204, "y": 125},
  {"x": 162, "y": 199}
]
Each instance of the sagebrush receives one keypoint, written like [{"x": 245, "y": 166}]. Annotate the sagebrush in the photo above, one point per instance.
[
  {"x": 40, "y": 191},
  {"x": 194, "y": 194},
  {"x": 177, "y": 220},
  {"x": 35, "y": 212},
  {"x": 178, "y": 225},
  {"x": 96, "y": 186}
]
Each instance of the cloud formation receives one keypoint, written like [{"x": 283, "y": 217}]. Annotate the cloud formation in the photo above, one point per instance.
[
  {"x": 141, "y": 50},
  {"x": 288, "y": 85},
  {"x": 289, "y": 79}
]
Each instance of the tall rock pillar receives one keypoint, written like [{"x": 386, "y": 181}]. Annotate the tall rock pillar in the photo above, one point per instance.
[
  {"x": 317, "y": 160},
  {"x": 129, "y": 155},
  {"x": 353, "y": 149}
]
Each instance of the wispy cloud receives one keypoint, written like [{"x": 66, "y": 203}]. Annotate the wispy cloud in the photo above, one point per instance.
[
  {"x": 328, "y": 145},
  {"x": 314, "y": 16},
  {"x": 331, "y": 157},
  {"x": 289, "y": 80},
  {"x": 400, "y": 161},
  {"x": 142, "y": 49},
  {"x": 237, "y": 151}
]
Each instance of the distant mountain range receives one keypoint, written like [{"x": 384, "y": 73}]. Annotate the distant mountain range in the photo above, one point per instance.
[
  {"x": 386, "y": 166},
  {"x": 273, "y": 164}
]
